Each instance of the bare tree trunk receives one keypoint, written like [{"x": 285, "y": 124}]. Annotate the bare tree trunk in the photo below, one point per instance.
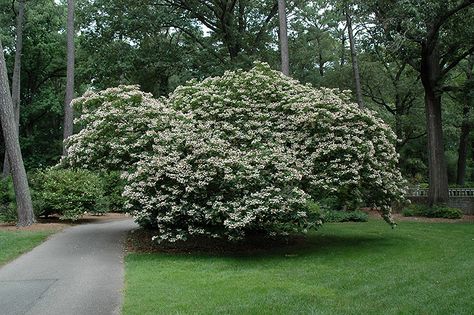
[
  {"x": 10, "y": 135},
  {"x": 342, "y": 58},
  {"x": 438, "y": 174},
  {"x": 68, "y": 110},
  {"x": 320, "y": 57},
  {"x": 285, "y": 55},
  {"x": 355, "y": 62},
  {"x": 16, "y": 75}
]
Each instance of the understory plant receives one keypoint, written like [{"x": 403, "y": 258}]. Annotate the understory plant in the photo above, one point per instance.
[
  {"x": 436, "y": 211},
  {"x": 69, "y": 193},
  {"x": 242, "y": 153}
]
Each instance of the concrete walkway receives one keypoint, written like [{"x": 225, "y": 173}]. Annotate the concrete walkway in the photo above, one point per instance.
[{"x": 77, "y": 271}]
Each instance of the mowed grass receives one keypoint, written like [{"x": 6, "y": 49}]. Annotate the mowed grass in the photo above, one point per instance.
[
  {"x": 349, "y": 268},
  {"x": 15, "y": 243}
]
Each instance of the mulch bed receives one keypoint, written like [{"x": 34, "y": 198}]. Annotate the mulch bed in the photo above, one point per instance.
[{"x": 140, "y": 241}]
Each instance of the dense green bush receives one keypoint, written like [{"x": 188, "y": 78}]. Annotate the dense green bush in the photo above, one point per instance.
[
  {"x": 444, "y": 212},
  {"x": 439, "y": 211},
  {"x": 68, "y": 193},
  {"x": 345, "y": 216}
]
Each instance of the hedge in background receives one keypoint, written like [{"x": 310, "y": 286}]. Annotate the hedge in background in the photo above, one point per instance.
[{"x": 436, "y": 211}]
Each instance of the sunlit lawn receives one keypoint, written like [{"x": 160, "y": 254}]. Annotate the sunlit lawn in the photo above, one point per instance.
[
  {"x": 349, "y": 268},
  {"x": 15, "y": 243}
]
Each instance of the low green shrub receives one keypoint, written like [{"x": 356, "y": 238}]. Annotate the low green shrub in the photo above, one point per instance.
[
  {"x": 69, "y": 193},
  {"x": 345, "y": 216},
  {"x": 414, "y": 210},
  {"x": 445, "y": 212},
  {"x": 438, "y": 211}
]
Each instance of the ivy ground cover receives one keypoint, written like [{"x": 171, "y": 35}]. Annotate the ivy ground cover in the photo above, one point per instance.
[{"x": 418, "y": 268}]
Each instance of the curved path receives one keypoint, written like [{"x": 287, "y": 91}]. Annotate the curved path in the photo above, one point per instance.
[{"x": 77, "y": 271}]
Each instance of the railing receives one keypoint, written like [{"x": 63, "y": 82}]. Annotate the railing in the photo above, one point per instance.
[{"x": 452, "y": 192}]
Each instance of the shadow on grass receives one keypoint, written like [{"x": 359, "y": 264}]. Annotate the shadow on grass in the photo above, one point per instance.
[{"x": 139, "y": 241}]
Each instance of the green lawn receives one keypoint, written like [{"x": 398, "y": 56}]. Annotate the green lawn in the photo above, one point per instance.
[
  {"x": 15, "y": 243},
  {"x": 363, "y": 268}
]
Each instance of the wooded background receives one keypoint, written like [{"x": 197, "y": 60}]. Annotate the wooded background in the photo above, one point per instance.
[{"x": 411, "y": 61}]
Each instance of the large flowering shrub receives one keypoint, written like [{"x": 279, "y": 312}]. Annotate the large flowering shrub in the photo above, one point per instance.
[
  {"x": 255, "y": 149},
  {"x": 245, "y": 152}
]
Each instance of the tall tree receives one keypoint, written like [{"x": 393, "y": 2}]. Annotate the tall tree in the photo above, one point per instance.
[
  {"x": 433, "y": 37},
  {"x": 16, "y": 74},
  {"x": 284, "y": 51},
  {"x": 354, "y": 58},
  {"x": 239, "y": 27},
  {"x": 68, "y": 110},
  {"x": 12, "y": 144}
]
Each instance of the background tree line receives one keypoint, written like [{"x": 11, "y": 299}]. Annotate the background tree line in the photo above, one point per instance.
[{"x": 410, "y": 61}]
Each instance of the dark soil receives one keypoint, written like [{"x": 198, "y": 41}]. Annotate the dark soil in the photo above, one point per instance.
[{"x": 140, "y": 241}]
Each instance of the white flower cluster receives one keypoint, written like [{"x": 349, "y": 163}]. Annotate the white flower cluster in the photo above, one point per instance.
[
  {"x": 114, "y": 122},
  {"x": 236, "y": 154}
]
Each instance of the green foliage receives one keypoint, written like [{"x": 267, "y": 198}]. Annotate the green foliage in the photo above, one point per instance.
[
  {"x": 8, "y": 211},
  {"x": 438, "y": 211},
  {"x": 441, "y": 211},
  {"x": 113, "y": 189},
  {"x": 69, "y": 193},
  {"x": 345, "y": 216}
]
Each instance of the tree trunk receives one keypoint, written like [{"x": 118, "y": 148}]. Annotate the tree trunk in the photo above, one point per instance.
[
  {"x": 16, "y": 75},
  {"x": 398, "y": 130},
  {"x": 284, "y": 50},
  {"x": 68, "y": 110},
  {"x": 438, "y": 174},
  {"x": 320, "y": 57},
  {"x": 10, "y": 135},
  {"x": 355, "y": 62},
  {"x": 342, "y": 60}
]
